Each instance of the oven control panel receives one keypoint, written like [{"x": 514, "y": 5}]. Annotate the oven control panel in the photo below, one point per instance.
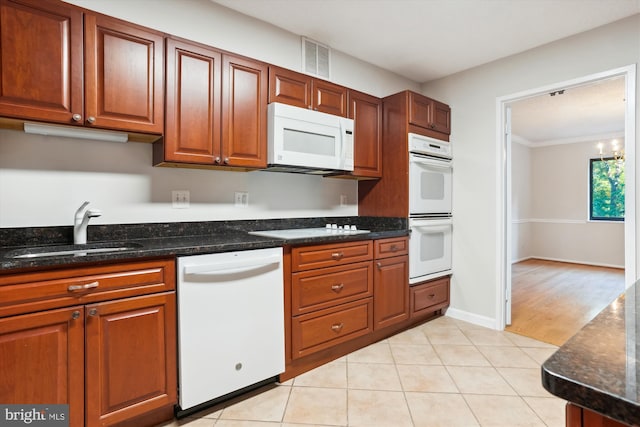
[{"x": 430, "y": 146}]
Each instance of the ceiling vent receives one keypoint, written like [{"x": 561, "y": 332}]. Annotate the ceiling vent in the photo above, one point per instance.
[{"x": 316, "y": 58}]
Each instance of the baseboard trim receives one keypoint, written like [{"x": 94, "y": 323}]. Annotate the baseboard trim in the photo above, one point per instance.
[
  {"x": 571, "y": 261},
  {"x": 476, "y": 319}
]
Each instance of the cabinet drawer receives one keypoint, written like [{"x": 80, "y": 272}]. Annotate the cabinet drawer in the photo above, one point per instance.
[
  {"x": 385, "y": 248},
  {"x": 329, "y": 255},
  {"x": 317, "y": 289},
  {"x": 27, "y": 292},
  {"x": 325, "y": 328},
  {"x": 429, "y": 297}
]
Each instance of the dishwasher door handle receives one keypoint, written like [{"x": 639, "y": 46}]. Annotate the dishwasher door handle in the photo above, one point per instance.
[{"x": 229, "y": 267}]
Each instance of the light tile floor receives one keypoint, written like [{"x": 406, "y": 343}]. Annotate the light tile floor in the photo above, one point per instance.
[{"x": 442, "y": 373}]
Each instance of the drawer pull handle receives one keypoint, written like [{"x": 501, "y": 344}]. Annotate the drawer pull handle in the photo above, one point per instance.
[
  {"x": 337, "y": 255},
  {"x": 83, "y": 287},
  {"x": 337, "y": 327},
  {"x": 432, "y": 296},
  {"x": 337, "y": 288}
]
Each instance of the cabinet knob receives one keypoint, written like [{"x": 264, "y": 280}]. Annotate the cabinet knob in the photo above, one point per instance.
[
  {"x": 379, "y": 265},
  {"x": 76, "y": 117},
  {"x": 91, "y": 120},
  {"x": 432, "y": 125},
  {"x": 75, "y": 315},
  {"x": 337, "y": 327},
  {"x": 337, "y": 255},
  {"x": 217, "y": 160},
  {"x": 337, "y": 288},
  {"x": 226, "y": 160},
  {"x": 393, "y": 248},
  {"x": 93, "y": 312}
]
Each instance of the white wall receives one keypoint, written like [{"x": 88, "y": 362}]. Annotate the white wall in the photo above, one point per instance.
[
  {"x": 472, "y": 95},
  {"x": 550, "y": 207},
  {"x": 44, "y": 179}
]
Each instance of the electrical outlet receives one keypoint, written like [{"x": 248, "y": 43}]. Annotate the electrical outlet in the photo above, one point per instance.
[
  {"x": 180, "y": 199},
  {"x": 343, "y": 200},
  {"x": 241, "y": 199}
]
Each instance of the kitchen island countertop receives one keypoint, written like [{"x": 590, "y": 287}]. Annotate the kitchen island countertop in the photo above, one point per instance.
[
  {"x": 176, "y": 239},
  {"x": 598, "y": 368}
]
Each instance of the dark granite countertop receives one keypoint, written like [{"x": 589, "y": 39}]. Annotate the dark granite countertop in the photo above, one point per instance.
[
  {"x": 598, "y": 368},
  {"x": 176, "y": 239}
]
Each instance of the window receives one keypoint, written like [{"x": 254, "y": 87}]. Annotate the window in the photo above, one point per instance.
[{"x": 606, "y": 194}]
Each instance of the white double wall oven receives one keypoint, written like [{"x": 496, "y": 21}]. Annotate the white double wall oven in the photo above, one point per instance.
[{"x": 430, "y": 201}]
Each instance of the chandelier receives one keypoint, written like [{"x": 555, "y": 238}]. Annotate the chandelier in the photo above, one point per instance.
[{"x": 616, "y": 152}]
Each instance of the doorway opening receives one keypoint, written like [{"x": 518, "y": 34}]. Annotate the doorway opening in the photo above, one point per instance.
[{"x": 556, "y": 156}]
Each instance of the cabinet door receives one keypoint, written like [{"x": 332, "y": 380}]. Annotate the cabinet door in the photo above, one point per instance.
[
  {"x": 366, "y": 111},
  {"x": 123, "y": 75},
  {"x": 420, "y": 110},
  {"x": 244, "y": 112},
  {"x": 441, "y": 117},
  {"x": 192, "y": 132},
  {"x": 130, "y": 358},
  {"x": 329, "y": 98},
  {"x": 289, "y": 87},
  {"x": 42, "y": 360},
  {"x": 40, "y": 60},
  {"x": 390, "y": 291}
]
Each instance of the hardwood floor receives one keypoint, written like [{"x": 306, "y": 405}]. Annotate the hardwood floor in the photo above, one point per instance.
[{"x": 551, "y": 301}]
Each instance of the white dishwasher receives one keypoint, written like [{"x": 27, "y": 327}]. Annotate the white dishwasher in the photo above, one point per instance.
[{"x": 230, "y": 324}]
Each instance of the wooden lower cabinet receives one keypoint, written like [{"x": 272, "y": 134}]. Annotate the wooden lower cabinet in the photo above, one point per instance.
[
  {"x": 111, "y": 356},
  {"x": 429, "y": 296},
  {"x": 391, "y": 282},
  {"x": 325, "y": 328},
  {"x": 391, "y": 291},
  {"x": 341, "y": 297},
  {"x": 577, "y": 416},
  {"x": 42, "y": 360},
  {"x": 130, "y": 358}
]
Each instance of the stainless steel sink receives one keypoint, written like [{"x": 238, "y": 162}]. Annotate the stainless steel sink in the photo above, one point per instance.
[{"x": 74, "y": 250}]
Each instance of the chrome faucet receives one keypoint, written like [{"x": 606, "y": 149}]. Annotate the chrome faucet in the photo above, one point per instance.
[{"x": 81, "y": 221}]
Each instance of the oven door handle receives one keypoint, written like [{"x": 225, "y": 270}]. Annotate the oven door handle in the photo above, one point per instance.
[
  {"x": 441, "y": 164},
  {"x": 433, "y": 228}
]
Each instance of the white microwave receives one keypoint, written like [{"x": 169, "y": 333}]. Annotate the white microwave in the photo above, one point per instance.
[{"x": 308, "y": 141}]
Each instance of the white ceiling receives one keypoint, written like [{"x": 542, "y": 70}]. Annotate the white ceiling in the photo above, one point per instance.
[
  {"x": 423, "y": 40},
  {"x": 594, "y": 111}
]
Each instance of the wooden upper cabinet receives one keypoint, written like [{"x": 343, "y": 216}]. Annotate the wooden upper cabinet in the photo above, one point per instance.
[
  {"x": 124, "y": 75},
  {"x": 216, "y": 109},
  {"x": 301, "y": 90},
  {"x": 329, "y": 98},
  {"x": 244, "y": 112},
  {"x": 366, "y": 111},
  {"x": 61, "y": 65},
  {"x": 441, "y": 117},
  {"x": 40, "y": 60},
  {"x": 192, "y": 131},
  {"x": 289, "y": 87},
  {"x": 429, "y": 114}
]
